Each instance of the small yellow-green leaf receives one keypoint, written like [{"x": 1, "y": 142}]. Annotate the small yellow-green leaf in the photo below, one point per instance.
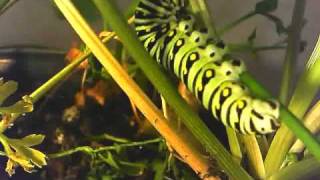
[
  {"x": 36, "y": 157},
  {"x": 6, "y": 89},
  {"x": 19, "y": 107},
  {"x": 10, "y": 168},
  {"x": 30, "y": 140},
  {"x": 16, "y": 159}
]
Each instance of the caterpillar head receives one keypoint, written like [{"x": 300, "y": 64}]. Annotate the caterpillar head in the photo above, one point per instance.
[{"x": 265, "y": 115}]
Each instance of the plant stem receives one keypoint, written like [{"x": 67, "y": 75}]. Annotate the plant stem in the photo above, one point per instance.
[
  {"x": 200, "y": 7},
  {"x": 180, "y": 140},
  {"x": 249, "y": 47},
  {"x": 161, "y": 82},
  {"x": 109, "y": 137},
  {"x": 277, "y": 152},
  {"x": 254, "y": 156},
  {"x": 89, "y": 150},
  {"x": 131, "y": 9},
  {"x": 305, "y": 169},
  {"x": 234, "y": 144},
  {"x": 228, "y": 27},
  {"x": 52, "y": 82},
  {"x": 307, "y": 87},
  {"x": 292, "y": 50},
  {"x": 311, "y": 121},
  {"x": 47, "y": 86},
  {"x": 44, "y": 88}
]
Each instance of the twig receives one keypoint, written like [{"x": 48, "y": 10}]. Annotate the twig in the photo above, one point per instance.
[{"x": 89, "y": 150}]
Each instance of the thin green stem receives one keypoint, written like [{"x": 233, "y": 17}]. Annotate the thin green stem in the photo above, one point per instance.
[
  {"x": 268, "y": 48},
  {"x": 162, "y": 83},
  {"x": 89, "y": 150},
  {"x": 52, "y": 82},
  {"x": 44, "y": 88},
  {"x": 200, "y": 8},
  {"x": 290, "y": 120},
  {"x": 230, "y": 26},
  {"x": 307, "y": 87},
  {"x": 234, "y": 144},
  {"x": 57, "y": 78},
  {"x": 292, "y": 50},
  {"x": 247, "y": 47},
  {"x": 109, "y": 137}
]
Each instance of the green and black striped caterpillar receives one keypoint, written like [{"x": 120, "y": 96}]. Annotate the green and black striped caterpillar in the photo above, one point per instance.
[{"x": 168, "y": 32}]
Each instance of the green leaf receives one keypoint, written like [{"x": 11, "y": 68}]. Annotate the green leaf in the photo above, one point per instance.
[
  {"x": 266, "y": 6},
  {"x": 30, "y": 140},
  {"x": 279, "y": 24},
  {"x": 21, "y": 106},
  {"x": 6, "y": 89},
  {"x": 36, "y": 157}
]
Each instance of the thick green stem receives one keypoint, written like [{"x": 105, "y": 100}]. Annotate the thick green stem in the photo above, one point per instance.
[
  {"x": 162, "y": 83},
  {"x": 292, "y": 50}
]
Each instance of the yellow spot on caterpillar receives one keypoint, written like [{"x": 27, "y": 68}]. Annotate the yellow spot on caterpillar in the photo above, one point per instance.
[
  {"x": 179, "y": 42},
  {"x": 208, "y": 74},
  {"x": 171, "y": 33},
  {"x": 148, "y": 30},
  {"x": 240, "y": 104},
  {"x": 193, "y": 57},
  {"x": 225, "y": 92}
]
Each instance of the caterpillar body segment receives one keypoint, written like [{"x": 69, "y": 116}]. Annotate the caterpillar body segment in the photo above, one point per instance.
[{"x": 170, "y": 35}]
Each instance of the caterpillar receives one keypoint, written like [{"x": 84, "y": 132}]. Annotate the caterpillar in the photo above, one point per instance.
[{"x": 169, "y": 33}]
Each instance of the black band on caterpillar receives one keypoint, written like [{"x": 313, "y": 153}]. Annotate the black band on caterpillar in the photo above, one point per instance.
[{"x": 167, "y": 32}]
